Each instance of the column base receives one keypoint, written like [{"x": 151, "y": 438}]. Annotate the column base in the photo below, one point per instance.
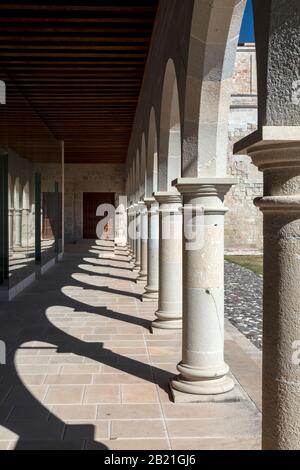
[
  {"x": 150, "y": 295},
  {"x": 205, "y": 381},
  {"x": 159, "y": 326},
  {"x": 217, "y": 386},
  {"x": 136, "y": 268},
  {"x": 142, "y": 279},
  {"x": 231, "y": 395}
]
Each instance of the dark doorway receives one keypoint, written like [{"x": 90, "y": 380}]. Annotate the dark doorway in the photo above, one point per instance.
[{"x": 91, "y": 201}]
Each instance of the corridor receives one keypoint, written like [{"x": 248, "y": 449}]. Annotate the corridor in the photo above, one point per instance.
[{"x": 84, "y": 372}]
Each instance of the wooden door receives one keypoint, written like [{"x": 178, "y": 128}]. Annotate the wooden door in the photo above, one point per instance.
[{"x": 91, "y": 201}]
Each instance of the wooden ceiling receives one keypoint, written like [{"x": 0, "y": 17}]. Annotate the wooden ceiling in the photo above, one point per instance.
[{"x": 80, "y": 65}]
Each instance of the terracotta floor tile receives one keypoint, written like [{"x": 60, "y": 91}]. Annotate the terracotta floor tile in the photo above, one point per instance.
[
  {"x": 102, "y": 394},
  {"x": 139, "y": 393},
  {"x": 125, "y": 411},
  {"x": 75, "y": 412},
  {"x": 71, "y": 379},
  {"x": 64, "y": 394},
  {"x": 140, "y": 429}
]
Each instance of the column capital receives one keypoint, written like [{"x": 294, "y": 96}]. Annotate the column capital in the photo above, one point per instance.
[
  {"x": 149, "y": 201},
  {"x": 275, "y": 155},
  {"x": 204, "y": 187},
  {"x": 272, "y": 147},
  {"x": 168, "y": 197},
  {"x": 151, "y": 205}
]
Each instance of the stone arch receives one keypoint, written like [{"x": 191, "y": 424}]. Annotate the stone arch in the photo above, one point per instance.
[
  {"x": 214, "y": 38},
  {"x": 152, "y": 157},
  {"x": 169, "y": 161}
]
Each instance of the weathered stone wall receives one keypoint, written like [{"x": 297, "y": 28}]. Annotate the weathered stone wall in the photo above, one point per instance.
[
  {"x": 80, "y": 178},
  {"x": 243, "y": 227}
]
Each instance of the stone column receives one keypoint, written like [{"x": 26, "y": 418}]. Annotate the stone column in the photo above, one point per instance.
[
  {"x": 129, "y": 239},
  {"x": 137, "y": 239},
  {"x": 202, "y": 369},
  {"x": 137, "y": 263},
  {"x": 11, "y": 229},
  {"x": 132, "y": 231},
  {"x": 25, "y": 227},
  {"x": 18, "y": 228},
  {"x": 142, "y": 278},
  {"x": 280, "y": 205},
  {"x": 169, "y": 314},
  {"x": 151, "y": 290}
]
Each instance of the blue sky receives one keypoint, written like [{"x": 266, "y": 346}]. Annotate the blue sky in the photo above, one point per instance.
[{"x": 247, "y": 31}]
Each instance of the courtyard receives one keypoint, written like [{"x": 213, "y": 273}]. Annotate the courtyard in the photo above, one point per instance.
[{"x": 149, "y": 225}]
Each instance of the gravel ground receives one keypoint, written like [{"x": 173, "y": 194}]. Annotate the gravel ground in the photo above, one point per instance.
[{"x": 243, "y": 301}]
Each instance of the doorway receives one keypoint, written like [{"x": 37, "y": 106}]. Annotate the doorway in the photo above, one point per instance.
[{"x": 91, "y": 201}]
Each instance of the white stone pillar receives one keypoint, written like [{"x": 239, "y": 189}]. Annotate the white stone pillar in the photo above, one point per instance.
[
  {"x": 137, "y": 263},
  {"x": 169, "y": 314},
  {"x": 136, "y": 241},
  {"x": 133, "y": 230},
  {"x": 25, "y": 226},
  {"x": 280, "y": 205},
  {"x": 202, "y": 369},
  {"x": 151, "y": 289},
  {"x": 129, "y": 235},
  {"x": 142, "y": 278},
  {"x": 10, "y": 228},
  {"x": 18, "y": 228}
]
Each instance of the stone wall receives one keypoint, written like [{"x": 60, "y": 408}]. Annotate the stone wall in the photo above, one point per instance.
[
  {"x": 243, "y": 226},
  {"x": 80, "y": 178}
]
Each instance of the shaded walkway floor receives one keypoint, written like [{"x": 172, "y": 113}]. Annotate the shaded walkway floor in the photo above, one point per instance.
[{"x": 83, "y": 371}]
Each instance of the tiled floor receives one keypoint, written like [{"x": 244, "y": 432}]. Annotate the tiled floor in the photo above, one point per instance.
[{"x": 84, "y": 372}]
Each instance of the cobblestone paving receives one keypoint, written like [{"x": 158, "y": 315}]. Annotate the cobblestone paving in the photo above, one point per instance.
[{"x": 243, "y": 301}]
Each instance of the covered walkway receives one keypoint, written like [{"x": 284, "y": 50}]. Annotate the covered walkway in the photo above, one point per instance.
[{"x": 84, "y": 371}]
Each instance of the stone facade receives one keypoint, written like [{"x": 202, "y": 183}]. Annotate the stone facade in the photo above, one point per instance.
[{"x": 243, "y": 226}]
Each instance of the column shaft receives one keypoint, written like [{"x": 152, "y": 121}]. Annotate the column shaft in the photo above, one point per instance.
[
  {"x": 281, "y": 298},
  {"x": 169, "y": 314},
  {"x": 151, "y": 290},
  {"x": 143, "y": 244},
  {"x": 137, "y": 239},
  {"x": 202, "y": 369},
  {"x": 10, "y": 228},
  {"x": 18, "y": 227}
]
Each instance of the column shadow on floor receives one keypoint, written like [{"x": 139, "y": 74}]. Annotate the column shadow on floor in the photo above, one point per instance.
[{"x": 42, "y": 429}]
